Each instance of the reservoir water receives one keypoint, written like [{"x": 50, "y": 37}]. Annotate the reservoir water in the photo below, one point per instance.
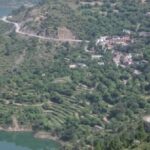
[
  {"x": 25, "y": 141},
  {"x": 4, "y": 11}
]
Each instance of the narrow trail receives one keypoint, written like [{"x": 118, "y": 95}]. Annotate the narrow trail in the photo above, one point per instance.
[
  {"x": 7, "y": 102},
  {"x": 18, "y": 30},
  {"x": 15, "y": 123}
]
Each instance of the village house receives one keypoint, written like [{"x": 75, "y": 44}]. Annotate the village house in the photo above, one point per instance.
[
  {"x": 72, "y": 66},
  {"x": 127, "y": 60},
  {"x": 122, "y": 59},
  {"x": 117, "y": 58},
  {"x": 111, "y": 41},
  {"x": 77, "y": 65}
]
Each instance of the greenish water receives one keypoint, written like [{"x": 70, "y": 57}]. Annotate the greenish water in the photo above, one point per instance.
[
  {"x": 25, "y": 141},
  {"x": 4, "y": 11}
]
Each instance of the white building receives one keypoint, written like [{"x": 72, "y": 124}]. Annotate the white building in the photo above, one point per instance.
[
  {"x": 72, "y": 66},
  {"x": 96, "y": 57}
]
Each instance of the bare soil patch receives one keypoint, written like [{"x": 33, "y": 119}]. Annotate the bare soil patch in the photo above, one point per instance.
[
  {"x": 20, "y": 59},
  {"x": 64, "y": 33},
  {"x": 48, "y": 135}
]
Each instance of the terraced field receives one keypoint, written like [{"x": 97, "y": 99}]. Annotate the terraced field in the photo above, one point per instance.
[{"x": 58, "y": 113}]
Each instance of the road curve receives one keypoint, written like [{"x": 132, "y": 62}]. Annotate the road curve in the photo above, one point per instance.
[{"x": 18, "y": 30}]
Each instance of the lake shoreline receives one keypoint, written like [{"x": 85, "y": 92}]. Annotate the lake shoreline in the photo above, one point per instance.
[
  {"x": 43, "y": 135},
  {"x": 25, "y": 141},
  {"x": 48, "y": 135}
]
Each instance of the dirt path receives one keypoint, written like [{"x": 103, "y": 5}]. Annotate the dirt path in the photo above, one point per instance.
[
  {"x": 26, "y": 105},
  {"x": 15, "y": 124},
  {"x": 7, "y": 102},
  {"x": 18, "y": 30}
]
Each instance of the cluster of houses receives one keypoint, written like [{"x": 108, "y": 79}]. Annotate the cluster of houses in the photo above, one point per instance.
[
  {"x": 119, "y": 58},
  {"x": 122, "y": 59},
  {"x": 111, "y": 41}
]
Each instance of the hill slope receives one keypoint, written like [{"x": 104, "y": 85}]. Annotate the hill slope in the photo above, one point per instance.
[{"x": 88, "y": 95}]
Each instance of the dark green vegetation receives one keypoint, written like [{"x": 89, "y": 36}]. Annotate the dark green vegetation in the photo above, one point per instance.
[
  {"x": 87, "y": 106},
  {"x": 87, "y": 22}
]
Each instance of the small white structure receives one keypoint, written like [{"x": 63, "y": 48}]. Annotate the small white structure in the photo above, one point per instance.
[
  {"x": 43, "y": 74},
  {"x": 94, "y": 3},
  {"x": 67, "y": 59},
  {"x": 137, "y": 72},
  {"x": 9, "y": 17},
  {"x": 127, "y": 31},
  {"x": 111, "y": 41},
  {"x": 96, "y": 57},
  {"x": 101, "y": 63},
  {"x": 98, "y": 128},
  {"x": 81, "y": 65},
  {"x": 72, "y": 66},
  {"x": 101, "y": 40}
]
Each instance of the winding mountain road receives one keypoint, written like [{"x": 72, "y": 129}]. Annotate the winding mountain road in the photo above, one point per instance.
[{"x": 18, "y": 30}]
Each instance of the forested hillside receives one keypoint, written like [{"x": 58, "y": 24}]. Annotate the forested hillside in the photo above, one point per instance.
[{"x": 92, "y": 94}]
